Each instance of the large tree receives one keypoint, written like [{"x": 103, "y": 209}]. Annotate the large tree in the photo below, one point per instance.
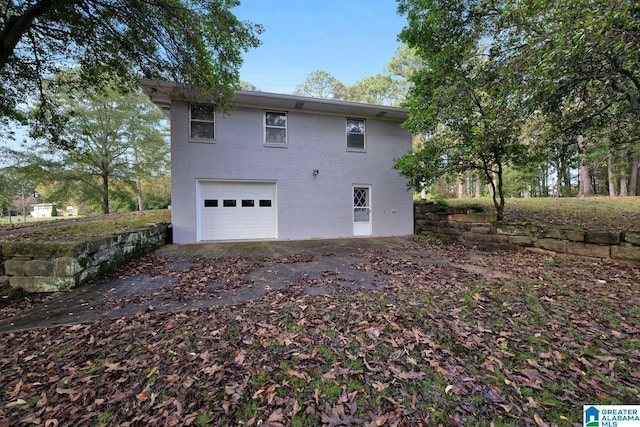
[
  {"x": 321, "y": 84},
  {"x": 574, "y": 62},
  {"x": 197, "y": 42},
  {"x": 119, "y": 140},
  {"x": 583, "y": 71},
  {"x": 468, "y": 124},
  {"x": 581, "y": 57},
  {"x": 377, "y": 89}
]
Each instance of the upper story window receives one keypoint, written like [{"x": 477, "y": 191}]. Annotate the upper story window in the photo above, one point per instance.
[
  {"x": 355, "y": 134},
  {"x": 202, "y": 121},
  {"x": 275, "y": 130}
]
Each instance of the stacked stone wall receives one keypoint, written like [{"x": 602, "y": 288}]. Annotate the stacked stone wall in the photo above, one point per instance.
[
  {"x": 484, "y": 232},
  {"x": 56, "y": 267}
]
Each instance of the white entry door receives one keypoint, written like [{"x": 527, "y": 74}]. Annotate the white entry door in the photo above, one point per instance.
[
  {"x": 236, "y": 210},
  {"x": 362, "y": 211}
]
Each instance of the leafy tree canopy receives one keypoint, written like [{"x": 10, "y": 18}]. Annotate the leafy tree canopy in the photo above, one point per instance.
[
  {"x": 404, "y": 63},
  {"x": 196, "y": 42},
  {"x": 377, "y": 89},
  {"x": 488, "y": 65},
  {"x": 321, "y": 84},
  {"x": 573, "y": 57}
]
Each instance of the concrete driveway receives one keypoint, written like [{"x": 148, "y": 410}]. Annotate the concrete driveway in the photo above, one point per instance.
[{"x": 182, "y": 277}]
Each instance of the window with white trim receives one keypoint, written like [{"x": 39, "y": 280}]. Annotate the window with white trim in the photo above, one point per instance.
[
  {"x": 355, "y": 134},
  {"x": 275, "y": 128},
  {"x": 202, "y": 121}
]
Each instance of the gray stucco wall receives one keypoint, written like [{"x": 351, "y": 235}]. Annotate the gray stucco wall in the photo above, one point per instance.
[{"x": 308, "y": 206}]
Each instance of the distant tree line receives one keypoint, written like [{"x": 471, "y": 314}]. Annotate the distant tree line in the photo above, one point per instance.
[{"x": 389, "y": 87}]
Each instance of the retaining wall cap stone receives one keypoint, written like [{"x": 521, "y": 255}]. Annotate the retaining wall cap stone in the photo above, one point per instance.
[
  {"x": 603, "y": 237},
  {"x": 589, "y": 250},
  {"x": 626, "y": 253},
  {"x": 573, "y": 234},
  {"x": 515, "y": 229},
  {"x": 39, "y": 249},
  {"x": 632, "y": 237}
]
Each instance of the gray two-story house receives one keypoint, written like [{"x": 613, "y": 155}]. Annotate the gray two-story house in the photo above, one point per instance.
[{"x": 283, "y": 167}]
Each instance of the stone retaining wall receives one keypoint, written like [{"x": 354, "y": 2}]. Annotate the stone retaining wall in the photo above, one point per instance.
[
  {"x": 485, "y": 232},
  {"x": 55, "y": 267}
]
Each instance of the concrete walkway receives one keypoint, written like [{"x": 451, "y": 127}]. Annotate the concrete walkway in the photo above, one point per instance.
[{"x": 181, "y": 277}]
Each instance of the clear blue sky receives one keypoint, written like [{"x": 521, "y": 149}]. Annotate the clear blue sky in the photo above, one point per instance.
[{"x": 350, "y": 39}]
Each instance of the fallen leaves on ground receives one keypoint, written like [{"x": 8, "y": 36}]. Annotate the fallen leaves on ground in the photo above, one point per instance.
[{"x": 430, "y": 343}]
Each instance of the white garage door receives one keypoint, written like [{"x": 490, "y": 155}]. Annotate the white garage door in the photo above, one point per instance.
[{"x": 237, "y": 210}]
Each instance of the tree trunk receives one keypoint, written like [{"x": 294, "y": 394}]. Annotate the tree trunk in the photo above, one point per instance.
[
  {"x": 478, "y": 186},
  {"x": 460, "y": 186},
  {"x": 24, "y": 208},
  {"x": 138, "y": 180},
  {"x": 565, "y": 190},
  {"x": 139, "y": 191},
  {"x": 499, "y": 204},
  {"x": 105, "y": 193},
  {"x": 624, "y": 190},
  {"x": 567, "y": 181},
  {"x": 611, "y": 176},
  {"x": 495, "y": 188},
  {"x": 17, "y": 26},
  {"x": 586, "y": 189},
  {"x": 558, "y": 191},
  {"x": 633, "y": 180}
]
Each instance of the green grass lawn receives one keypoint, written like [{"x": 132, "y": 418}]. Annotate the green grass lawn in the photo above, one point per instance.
[
  {"x": 87, "y": 228},
  {"x": 591, "y": 213}
]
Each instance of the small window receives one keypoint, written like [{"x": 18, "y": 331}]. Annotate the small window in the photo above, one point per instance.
[
  {"x": 202, "y": 117},
  {"x": 265, "y": 203},
  {"x": 229, "y": 203},
  {"x": 248, "y": 203},
  {"x": 208, "y": 203},
  {"x": 355, "y": 134},
  {"x": 275, "y": 131}
]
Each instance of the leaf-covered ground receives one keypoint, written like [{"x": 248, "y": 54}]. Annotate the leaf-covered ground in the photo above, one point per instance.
[{"x": 429, "y": 344}]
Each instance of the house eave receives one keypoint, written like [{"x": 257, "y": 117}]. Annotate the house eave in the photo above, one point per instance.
[{"x": 162, "y": 93}]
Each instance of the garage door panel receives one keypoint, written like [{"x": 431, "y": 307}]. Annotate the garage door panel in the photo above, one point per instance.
[{"x": 237, "y": 211}]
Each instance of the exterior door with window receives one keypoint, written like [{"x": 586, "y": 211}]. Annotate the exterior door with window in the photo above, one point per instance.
[{"x": 362, "y": 211}]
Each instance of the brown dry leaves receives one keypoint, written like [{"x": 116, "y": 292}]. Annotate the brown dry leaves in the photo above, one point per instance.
[{"x": 430, "y": 343}]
